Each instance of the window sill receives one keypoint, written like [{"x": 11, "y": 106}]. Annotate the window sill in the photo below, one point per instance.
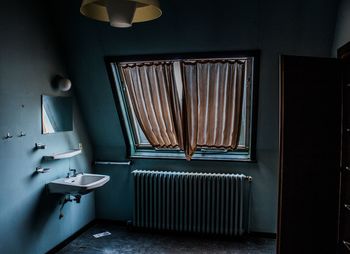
[{"x": 237, "y": 156}]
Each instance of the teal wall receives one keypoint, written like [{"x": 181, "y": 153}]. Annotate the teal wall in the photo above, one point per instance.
[
  {"x": 275, "y": 27},
  {"x": 40, "y": 39},
  {"x": 29, "y": 58},
  {"x": 342, "y": 34}
]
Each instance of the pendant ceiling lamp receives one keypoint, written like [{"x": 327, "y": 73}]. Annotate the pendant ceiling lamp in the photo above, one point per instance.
[{"x": 121, "y": 13}]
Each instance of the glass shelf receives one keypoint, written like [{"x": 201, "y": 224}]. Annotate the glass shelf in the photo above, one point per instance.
[{"x": 64, "y": 155}]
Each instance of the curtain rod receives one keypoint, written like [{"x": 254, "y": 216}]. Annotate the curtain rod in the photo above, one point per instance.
[{"x": 183, "y": 59}]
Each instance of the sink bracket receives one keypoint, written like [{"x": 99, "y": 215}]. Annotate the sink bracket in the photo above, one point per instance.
[{"x": 67, "y": 198}]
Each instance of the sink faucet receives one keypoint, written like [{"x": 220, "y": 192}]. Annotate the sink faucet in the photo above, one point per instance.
[
  {"x": 75, "y": 173},
  {"x": 73, "y": 170}
]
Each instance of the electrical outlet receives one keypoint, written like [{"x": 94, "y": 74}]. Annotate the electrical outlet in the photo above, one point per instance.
[{"x": 80, "y": 146}]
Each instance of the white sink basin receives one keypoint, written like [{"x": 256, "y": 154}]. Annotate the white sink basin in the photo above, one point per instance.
[{"x": 77, "y": 185}]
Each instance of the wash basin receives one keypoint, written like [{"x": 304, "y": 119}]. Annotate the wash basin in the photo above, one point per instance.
[{"x": 78, "y": 185}]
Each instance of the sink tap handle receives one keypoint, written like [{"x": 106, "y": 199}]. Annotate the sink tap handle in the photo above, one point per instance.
[{"x": 74, "y": 171}]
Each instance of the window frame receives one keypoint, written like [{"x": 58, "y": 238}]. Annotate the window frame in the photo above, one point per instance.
[{"x": 126, "y": 121}]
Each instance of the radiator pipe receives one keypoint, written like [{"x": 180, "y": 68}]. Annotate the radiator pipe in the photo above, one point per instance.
[
  {"x": 113, "y": 163},
  {"x": 249, "y": 178}
]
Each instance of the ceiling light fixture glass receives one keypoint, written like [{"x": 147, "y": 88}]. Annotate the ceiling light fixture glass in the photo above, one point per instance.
[{"x": 121, "y": 13}]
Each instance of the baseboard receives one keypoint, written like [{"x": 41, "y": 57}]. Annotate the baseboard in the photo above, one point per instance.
[
  {"x": 113, "y": 222},
  {"x": 171, "y": 232},
  {"x": 264, "y": 235},
  {"x": 71, "y": 238}
]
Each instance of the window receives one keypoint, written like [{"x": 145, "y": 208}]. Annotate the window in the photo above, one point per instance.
[{"x": 193, "y": 106}]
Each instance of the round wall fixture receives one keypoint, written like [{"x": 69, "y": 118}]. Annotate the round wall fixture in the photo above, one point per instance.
[{"x": 64, "y": 84}]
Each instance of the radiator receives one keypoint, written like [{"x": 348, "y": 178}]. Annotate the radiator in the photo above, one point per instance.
[{"x": 192, "y": 202}]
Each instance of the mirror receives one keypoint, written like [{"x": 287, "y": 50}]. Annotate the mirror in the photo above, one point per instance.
[{"x": 57, "y": 114}]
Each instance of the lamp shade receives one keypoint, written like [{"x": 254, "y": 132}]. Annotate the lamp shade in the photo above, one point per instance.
[{"x": 121, "y": 13}]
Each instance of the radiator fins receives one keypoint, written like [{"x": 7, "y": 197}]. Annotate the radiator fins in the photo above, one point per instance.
[{"x": 192, "y": 202}]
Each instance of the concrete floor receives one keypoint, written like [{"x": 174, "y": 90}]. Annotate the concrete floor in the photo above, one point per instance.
[{"x": 124, "y": 240}]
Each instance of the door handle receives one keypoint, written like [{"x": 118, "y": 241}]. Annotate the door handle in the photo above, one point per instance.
[
  {"x": 347, "y": 206},
  {"x": 347, "y": 244}
]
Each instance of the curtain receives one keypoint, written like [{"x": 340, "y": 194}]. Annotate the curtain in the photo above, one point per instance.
[
  {"x": 152, "y": 92},
  {"x": 213, "y": 92}
]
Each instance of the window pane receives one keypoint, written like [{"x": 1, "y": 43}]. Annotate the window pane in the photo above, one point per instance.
[{"x": 140, "y": 141}]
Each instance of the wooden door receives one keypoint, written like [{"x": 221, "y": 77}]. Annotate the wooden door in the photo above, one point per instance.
[
  {"x": 310, "y": 143},
  {"x": 344, "y": 211}
]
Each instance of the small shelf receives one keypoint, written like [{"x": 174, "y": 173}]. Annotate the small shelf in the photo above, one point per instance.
[{"x": 64, "y": 155}]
